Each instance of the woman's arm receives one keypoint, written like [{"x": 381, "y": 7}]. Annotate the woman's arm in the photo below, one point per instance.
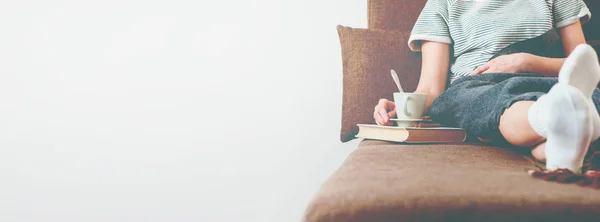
[
  {"x": 572, "y": 36},
  {"x": 434, "y": 70}
]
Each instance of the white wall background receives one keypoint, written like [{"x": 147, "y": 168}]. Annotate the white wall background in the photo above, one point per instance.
[{"x": 169, "y": 110}]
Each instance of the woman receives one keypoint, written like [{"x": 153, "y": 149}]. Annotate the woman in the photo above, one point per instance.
[{"x": 525, "y": 99}]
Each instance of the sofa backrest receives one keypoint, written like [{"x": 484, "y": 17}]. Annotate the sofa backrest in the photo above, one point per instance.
[{"x": 394, "y": 14}]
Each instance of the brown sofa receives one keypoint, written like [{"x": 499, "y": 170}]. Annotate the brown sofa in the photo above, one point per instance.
[{"x": 382, "y": 181}]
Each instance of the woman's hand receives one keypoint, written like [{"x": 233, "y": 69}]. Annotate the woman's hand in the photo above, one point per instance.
[
  {"x": 384, "y": 111},
  {"x": 512, "y": 63}
]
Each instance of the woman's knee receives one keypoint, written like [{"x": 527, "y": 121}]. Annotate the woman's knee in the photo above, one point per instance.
[{"x": 515, "y": 128}]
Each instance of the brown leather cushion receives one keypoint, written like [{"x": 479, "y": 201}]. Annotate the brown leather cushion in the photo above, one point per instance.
[
  {"x": 383, "y": 181},
  {"x": 368, "y": 56}
]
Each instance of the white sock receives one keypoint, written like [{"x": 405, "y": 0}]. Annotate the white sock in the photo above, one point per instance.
[
  {"x": 537, "y": 116},
  {"x": 569, "y": 131},
  {"x": 566, "y": 116}
]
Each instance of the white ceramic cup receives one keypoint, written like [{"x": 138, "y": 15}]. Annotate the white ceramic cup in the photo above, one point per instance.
[{"x": 410, "y": 105}]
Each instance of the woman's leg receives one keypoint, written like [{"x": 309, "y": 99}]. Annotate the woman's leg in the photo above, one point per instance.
[
  {"x": 515, "y": 127},
  {"x": 490, "y": 105},
  {"x": 566, "y": 116},
  {"x": 538, "y": 151}
]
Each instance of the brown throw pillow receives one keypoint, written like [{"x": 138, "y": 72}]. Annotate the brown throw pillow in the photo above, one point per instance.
[{"x": 368, "y": 56}]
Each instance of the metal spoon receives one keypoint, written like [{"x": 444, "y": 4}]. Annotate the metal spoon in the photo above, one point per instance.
[{"x": 397, "y": 80}]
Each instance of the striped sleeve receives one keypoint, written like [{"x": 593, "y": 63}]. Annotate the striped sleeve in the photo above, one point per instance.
[
  {"x": 566, "y": 12},
  {"x": 431, "y": 25}
]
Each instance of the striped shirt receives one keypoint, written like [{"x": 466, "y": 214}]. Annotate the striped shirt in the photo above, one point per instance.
[{"x": 478, "y": 29}]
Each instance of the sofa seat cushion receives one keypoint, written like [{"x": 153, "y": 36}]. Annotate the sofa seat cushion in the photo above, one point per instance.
[{"x": 383, "y": 181}]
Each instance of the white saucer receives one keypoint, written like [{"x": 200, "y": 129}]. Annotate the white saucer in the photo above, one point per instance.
[
  {"x": 407, "y": 122},
  {"x": 410, "y": 120}
]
